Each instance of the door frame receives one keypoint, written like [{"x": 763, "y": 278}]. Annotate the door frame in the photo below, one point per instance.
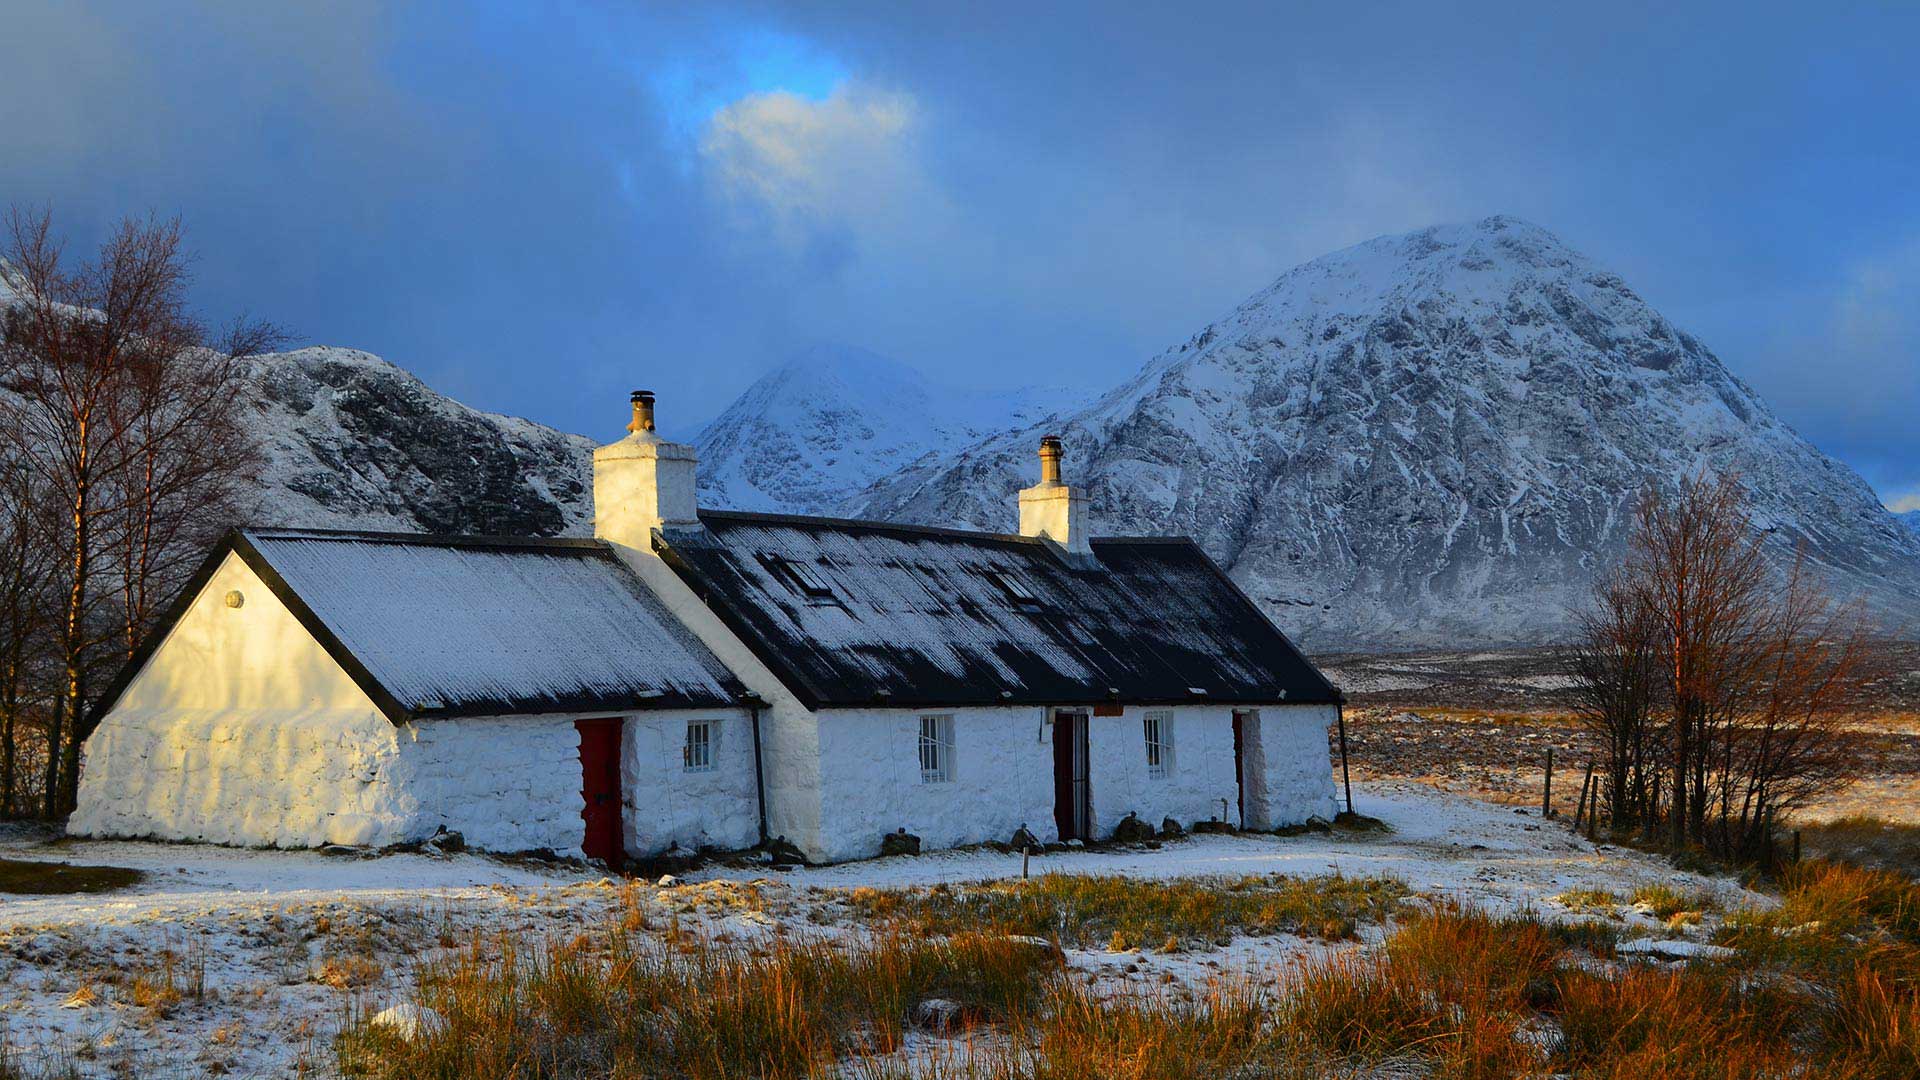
[
  {"x": 600, "y": 728},
  {"x": 1072, "y": 774}
]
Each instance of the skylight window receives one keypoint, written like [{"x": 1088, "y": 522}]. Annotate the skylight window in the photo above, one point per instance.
[
  {"x": 1016, "y": 591},
  {"x": 803, "y": 578}
]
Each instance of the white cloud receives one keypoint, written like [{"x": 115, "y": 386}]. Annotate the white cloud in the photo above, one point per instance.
[
  {"x": 1905, "y": 503},
  {"x": 845, "y": 165}
]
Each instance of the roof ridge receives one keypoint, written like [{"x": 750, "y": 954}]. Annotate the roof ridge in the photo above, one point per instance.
[
  {"x": 818, "y": 521},
  {"x": 372, "y": 536}
]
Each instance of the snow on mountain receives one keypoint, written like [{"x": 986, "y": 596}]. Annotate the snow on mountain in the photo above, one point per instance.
[
  {"x": 822, "y": 428},
  {"x": 1909, "y": 518},
  {"x": 353, "y": 441},
  {"x": 1426, "y": 438}
]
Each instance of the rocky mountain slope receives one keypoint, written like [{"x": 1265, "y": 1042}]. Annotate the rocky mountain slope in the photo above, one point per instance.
[
  {"x": 353, "y": 441},
  {"x": 1424, "y": 439},
  {"x": 1428, "y": 438},
  {"x": 815, "y": 433}
]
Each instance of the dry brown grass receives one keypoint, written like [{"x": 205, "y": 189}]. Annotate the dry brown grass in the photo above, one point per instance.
[
  {"x": 1131, "y": 913},
  {"x": 1450, "y": 993},
  {"x": 1865, "y": 840},
  {"x": 612, "y": 1008}
]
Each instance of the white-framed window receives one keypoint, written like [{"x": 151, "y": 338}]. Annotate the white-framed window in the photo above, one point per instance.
[
  {"x": 697, "y": 754},
  {"x": 1158, "y": 725},
  {"x": 936, "y": 749}
]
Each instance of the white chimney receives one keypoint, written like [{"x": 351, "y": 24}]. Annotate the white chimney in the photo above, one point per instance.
[
  {"x": 1053, "y": 510},
  {"x": 642, "y": 483}
]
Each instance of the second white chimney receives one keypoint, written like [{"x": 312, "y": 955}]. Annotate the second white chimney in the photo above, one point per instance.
[{"x": 1053, "y": 510}]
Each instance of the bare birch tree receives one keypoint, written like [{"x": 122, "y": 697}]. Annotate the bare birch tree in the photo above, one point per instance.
[
  {"x": 128, "y": 412},
  {"x": 1745, "y": 667}
]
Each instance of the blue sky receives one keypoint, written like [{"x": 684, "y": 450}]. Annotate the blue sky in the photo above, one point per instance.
[{"x": 537, "y": 210}]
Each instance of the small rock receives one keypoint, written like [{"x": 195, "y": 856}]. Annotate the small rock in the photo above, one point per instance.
[
  {"x": 940, "y": 1015},
  {"x": 1131, "y": 830},
  {"x": 1171, "y": 830},
  {"x": 410, "y": 1021},
  {"x": 1671, "y": 949},
  {"x": 899, "y": 843},
  {"x": 667, "y": 881},
  {"x": 445, "y": 842}
]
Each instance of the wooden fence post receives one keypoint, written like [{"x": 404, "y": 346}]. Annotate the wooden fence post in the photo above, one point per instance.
[
  {"x": 1546, "y": 796},
  {"x": 1647, "y": 826},
  {"x": 1346, "y": 778},
  {"x": 1580, "y": 811}
]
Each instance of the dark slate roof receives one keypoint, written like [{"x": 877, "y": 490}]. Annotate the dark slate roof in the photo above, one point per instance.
[
  {"x": 868, "y": 613},
  {"x": 476, "y": 626}
]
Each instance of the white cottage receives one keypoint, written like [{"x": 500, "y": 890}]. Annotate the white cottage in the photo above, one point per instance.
[{"x": 697, "y": 678}]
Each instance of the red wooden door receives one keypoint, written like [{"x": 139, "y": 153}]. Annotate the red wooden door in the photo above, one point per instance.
[{"x": 600, "y": 789}]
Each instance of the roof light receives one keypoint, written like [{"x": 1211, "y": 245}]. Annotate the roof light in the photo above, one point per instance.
[
  {"x": 801, "y": 577},
  {"x": 1015, "y": 589}
]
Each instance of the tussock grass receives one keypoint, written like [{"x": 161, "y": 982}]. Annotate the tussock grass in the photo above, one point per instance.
[
  {"x": 1450, "y": 993},
  {"x": 1667, "y": 902},
  {"x": 1130, "y": 913},
  {"x": 1865, "y": 840},
  {"x": 1451, "y": 987},
  {"x": 1589, "y": 901},
  {"x": 608, "y": 1008}
]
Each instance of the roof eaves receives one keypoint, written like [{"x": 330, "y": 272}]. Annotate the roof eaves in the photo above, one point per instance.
[{"x": 1333, "y": 692}]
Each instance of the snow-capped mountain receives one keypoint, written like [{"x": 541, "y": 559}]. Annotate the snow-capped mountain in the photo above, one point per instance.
[
  {"x": 1910, "y": 518},
  {"x": 816, "y": 432},
  {"x": 353, "y": 441},
  {"x": 1426, "y": 438}
]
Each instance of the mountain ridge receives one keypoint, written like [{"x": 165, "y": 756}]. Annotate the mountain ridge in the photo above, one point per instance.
[{"x": 1426, "y": 437}]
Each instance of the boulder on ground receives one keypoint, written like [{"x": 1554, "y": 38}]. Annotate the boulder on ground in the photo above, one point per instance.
[
  {"x": 1171, "y": 830},
  {"x": 1131, "y": 830},
  {"x": 942, "y": 1016},
  {"x": 1315, "y": 824},
  {"x": 410, "y": 1021},
  {"x": 900, "y": 843},
  {"x": 445, "y": 842},
  {"x": 1212, "y": 825}
]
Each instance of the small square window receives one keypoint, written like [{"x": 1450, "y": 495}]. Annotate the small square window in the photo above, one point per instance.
[
  {"x": 1015, "y": 590},
  {"x": 801, "y": 577},
  {"x": 1159, "y": 735},
  {"x": 697, "y": 754},
  {"x": 936, "y": 749}
]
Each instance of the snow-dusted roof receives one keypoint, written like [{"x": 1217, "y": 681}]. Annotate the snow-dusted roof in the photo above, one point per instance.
[
  {"x": 863, "y": 613},
  {"x": 473, "y": 626}
]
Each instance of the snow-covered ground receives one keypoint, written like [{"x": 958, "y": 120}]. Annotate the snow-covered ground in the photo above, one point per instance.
[{"x": 290, "y": 942}]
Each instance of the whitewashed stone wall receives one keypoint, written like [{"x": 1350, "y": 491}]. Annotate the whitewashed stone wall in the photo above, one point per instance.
[
  {"x": 667, "y": 805},
  {"x": 1200, "y": 777},
  {"x": 1296, "y": 766},
  {"x": 242, "y": 730},
  {"x": 789, "y": 734},
  {"x": 1003, "y": 774},
  {"x": 870, "y": 779}
]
